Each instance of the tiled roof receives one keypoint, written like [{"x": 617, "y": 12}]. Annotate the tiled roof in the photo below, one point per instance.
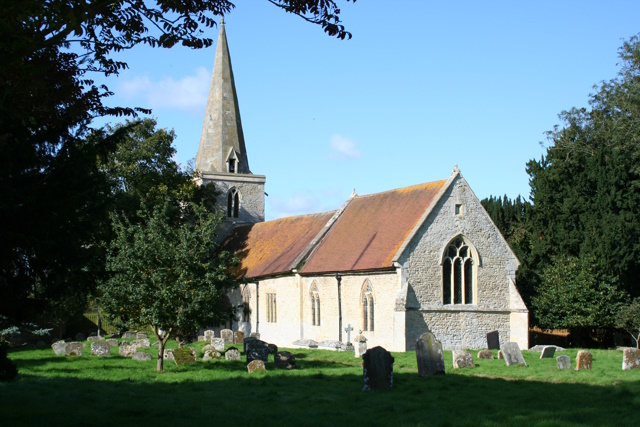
[
  {"x": 270, "y": 248},
  {"x": 371, "y": 229}
]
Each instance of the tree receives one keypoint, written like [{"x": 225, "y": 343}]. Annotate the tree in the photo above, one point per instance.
[
  {"x": 628, "y": 318},
  {"x": 54, "y": 200},
  {"x": 575, "y": 294},
  {"x": 163, "y": 265}
]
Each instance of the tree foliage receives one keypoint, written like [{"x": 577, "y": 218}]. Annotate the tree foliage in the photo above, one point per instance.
[
  {"x": 163, "y": 265},
  {"x": 628, "y": 318}
]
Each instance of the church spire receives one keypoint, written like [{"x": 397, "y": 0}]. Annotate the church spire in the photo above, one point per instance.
[{"x": 222, "y": 148}]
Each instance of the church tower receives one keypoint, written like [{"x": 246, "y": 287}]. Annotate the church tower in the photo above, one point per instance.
[{"x": 222, "y": 157}]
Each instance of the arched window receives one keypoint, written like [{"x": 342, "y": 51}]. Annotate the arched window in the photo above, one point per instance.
[
  {"x": 233, "y": 203},
  {"x": 315, "y": 305},
  {"x": 368, "y": 304},
  {"x": 458, "y": 273}
]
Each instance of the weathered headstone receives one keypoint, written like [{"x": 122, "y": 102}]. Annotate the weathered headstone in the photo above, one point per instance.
[
  {"x": 227, "y": 336},
  {"x": 493, "y": 340},
  {"x": 127, "y": 350},
  {"x": 211, "y": 355},
  {"x": 255, "y": 365},
  {"x": 141, "y": 355},
  {"x": 330, "y": 345},
  {"x": 584, "y": 360},
  {"x": 94, "y": 338},
  {"x": 218, "y": 344},
  {"x": 500, "y": 355},
  {"x": 101, "y": 348},
  {"x": 168, "y": 354},
  {"x": 429, "y": 355},
  {"x": 247, "y": 341},
  {"x": 141, "y": 335},
  {"x": 377, "y": 369},
  {"x": 462, "y": 359},
  {"x": 361, "y": 345},
  {"x": 129, "y": 334},
  {"x": 141, "y": 343},
  {"x": 284, "y": 360},
  {"x": 485, "y": 354},
  {"x": 272, "y": 348},
  {"x": 209, "y": 335},
  {"x": 548, "y": 352},
  {"x": 184, "y": 356},
  {"x": 256, "y": 352},
  {"x": 630, "y": 359},
  {"x": 541, "y": 347},
  {"x": 113, "y": 342},
  {"x": 232, "y": 354},
  {"x": 73, "y": 349},
  {"x": 564, "y": 362},
  {"x": 238, "y": 337},
  {"x": 306, "y": 343},
  {"x": 255, "y": 335},
  {"x": 208, "y": 347},
  {"x": 59, "y": 347},
  {"x": 512, "y": 354}
]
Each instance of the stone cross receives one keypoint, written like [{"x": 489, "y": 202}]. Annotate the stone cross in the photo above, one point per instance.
[{"x": 348, "y": 330}]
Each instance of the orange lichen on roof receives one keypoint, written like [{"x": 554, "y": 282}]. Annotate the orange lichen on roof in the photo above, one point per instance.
[
  {"x": 269, "y": 248},
  {"x": 371, "y": 230}
]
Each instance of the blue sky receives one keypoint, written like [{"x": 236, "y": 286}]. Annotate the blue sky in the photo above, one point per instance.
[{"x": 420, "y": 87}]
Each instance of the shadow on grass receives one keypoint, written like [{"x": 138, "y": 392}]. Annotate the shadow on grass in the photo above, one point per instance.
[{"x": 204, "y": 392}]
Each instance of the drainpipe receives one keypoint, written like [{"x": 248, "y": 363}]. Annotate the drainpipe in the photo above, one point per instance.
[{"x": 339, "y": 279}]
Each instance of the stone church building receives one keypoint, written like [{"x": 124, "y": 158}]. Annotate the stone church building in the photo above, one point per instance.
[{"x": 392, "y": 265}]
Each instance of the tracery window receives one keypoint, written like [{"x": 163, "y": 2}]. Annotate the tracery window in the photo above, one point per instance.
[
  {"x": 458, "y": 273},
  {"x": 315, "y": 305},
  {"x": 368, "y": 304},
  {"x": 233, "y": 203}
]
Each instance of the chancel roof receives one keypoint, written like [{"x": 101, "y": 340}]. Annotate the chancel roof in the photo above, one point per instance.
[{"x": 365, "y": 234}]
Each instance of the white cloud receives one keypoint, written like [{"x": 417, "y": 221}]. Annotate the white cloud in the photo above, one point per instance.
[
  {"x": 343, "y": 148},
  {"x": 187, "y": 93}
]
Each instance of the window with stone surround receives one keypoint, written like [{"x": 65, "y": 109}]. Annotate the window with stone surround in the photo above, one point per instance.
[
  {"x": 271, "y": 308},
  {"x": 458, "y": 272},
  {"x": 233, "y": 203},
  {"x": 367, "y": 303},
  {"x": 246, "y": 308},
  {"x": 315, "y": 305}
]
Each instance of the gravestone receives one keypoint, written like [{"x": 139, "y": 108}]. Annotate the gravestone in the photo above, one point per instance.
[
  {"x": 73, "y": 349},
  {"x": 255, "y": 335},
  {"x": 512, "y": 354},
  {"x": 500, "y": 356},
  {"x": 141, "y": 335},
  {"x": 59, "y": 347},
  {"x": 564, "y": 362},
  {"x": 429, "y": 355},
  {"x": 330, "y": 345},
  {"x": 141, "y": 355},
  {"x": 255, "y": 365},
  {"x": 284, "y": 360},
  {"x": 485, "y": 354},
  {"x": 184, "y": 356},
  {"x": 630, "y": 359},
  {"x": 208, "y": 347},
  {"x": 232, "y": 354},
  {"x": 272, "y": 348},
  {"x": 94, "y": 338},
  {"x": 168, "y": 354},
  {"x": 113, "y": 342},
  {"x": 129, "y": 334},
  {"x": 348, "y": 330},
  {"x": 257, "y": 352},
  {"x": 100, "y": 348},
  {"x": 218, "y": 344},
  {"x": 548, "y": 352},
  {"x": 540, "y": 347},
  {"x": 209, "y": 335},
  {"x": 211, "y": 355},
  {"x": 238, "y": 337},
  {"x": 584, "y": 360},
  {"x": 141, "y": 343},
  {"x": 306, "y": 343},
  {"x": 247, "y": 342},
  {"x": 462, "y": 359},
  {"x": 493, "y": 340},
  {"x": 377, "y": 369},
  {"x": 227, "y": 336},
  {"x": 200, "y": 337},
  {"x": 361, "y": 345},
  {"x": 127, "y": 350}
]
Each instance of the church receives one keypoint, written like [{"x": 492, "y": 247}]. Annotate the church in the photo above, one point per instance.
[{"x": 389, "y": 266}]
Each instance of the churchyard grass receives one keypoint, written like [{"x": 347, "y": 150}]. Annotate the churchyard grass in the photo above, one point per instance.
[{"x": 324, "y": 390}]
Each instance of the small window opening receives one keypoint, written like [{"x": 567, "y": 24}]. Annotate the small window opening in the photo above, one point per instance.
[
  {"x": 458, "y": 209},
  {"x": 232, "y": 165}
]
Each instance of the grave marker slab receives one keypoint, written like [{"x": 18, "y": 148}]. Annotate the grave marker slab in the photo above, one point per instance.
[
  {"x": 255, "y": 365},
  {"x": 493, "y": 340},
  {"x": 462, "y": 359},
  {"x": 73, "y": 349},
  {"x": 247, "y": 342},
  {"x": 184, "y": 356},
  {"x": 218, "y": 344},
  {"x": 548, "y": 352},
  {"x": 232, "y": 354},
  {"x": 127, "y": 350},
  {"x": 257, "y": 353},
  {"x": 141, "y": 343},
  {"x": 59, "y": 347},
  {"x": 306, "y": 343},
  {"x": 377, "y": 369},
  {"x": 485, "y": 354},
  {"x": 564, "y": 362},
  {"x": 101, "y": 348},
  {"x": 284, "y": 360},
  {"x": 361, "y": 345},
  {"x": 512, "y": 354},
  {"x": 238, "y": 337},
  {"x": 113, "y": 342},
  {"x": 141, "y": 355},
  {"x": 211, "y": 355},
  {"x": 630, "y": 359},
  {"x": 429, "y": 355},
  {"x": 141, "y": 335},
  {"x": 209, "y": 335},
  {"x": 129, "y": 334},
  {"x": 584, "y": 360},
  {"x": 227, "y": 336},
  {"x": 168, "y": 354}
]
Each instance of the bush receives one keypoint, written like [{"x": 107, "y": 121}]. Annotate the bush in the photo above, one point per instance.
[{"x": 8, "y": 369}]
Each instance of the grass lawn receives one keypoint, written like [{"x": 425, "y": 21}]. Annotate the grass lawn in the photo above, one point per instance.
[{"x": 325, "y": 390}]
